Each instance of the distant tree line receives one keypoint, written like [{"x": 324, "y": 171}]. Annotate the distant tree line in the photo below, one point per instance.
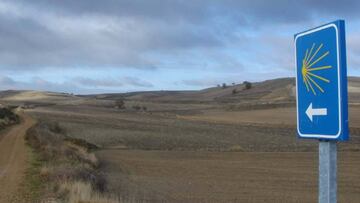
[{"x": 247, "y": 85}]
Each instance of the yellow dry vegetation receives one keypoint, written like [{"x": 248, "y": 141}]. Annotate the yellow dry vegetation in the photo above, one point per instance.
[{"x": 81, "y": 192}]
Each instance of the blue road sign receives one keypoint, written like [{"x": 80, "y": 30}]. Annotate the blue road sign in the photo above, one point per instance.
[{"x": 321, "y": 82}]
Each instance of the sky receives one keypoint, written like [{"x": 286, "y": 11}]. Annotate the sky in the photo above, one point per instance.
[{"x": 92, "y": 46}]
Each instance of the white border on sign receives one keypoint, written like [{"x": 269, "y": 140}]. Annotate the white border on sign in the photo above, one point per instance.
[{"x": 338, "y": 72}]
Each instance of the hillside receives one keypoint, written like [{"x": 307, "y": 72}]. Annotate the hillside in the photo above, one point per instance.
[
  {"x": 152, "y": 146},
  {"x": 276, "y": 90},
  {"x": 281, "y": 90}
]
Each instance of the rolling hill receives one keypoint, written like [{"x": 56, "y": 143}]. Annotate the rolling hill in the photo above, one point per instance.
[
  {"x": 281, "y": 90},
  {"x": 276, "y": 90}
]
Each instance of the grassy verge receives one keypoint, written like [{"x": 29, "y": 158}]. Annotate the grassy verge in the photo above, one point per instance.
[
  {"x": 63, "y": 169},
  {"x": 31, "y": 189}
]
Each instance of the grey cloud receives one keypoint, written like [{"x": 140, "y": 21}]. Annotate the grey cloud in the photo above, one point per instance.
[
  {"x": 264, "y": 12},
  {"x": 110, "y": 82},
  {"x": 137, "y": 82},
  {"x": 177, "y": 10},
  {"x": 6, "y": 81},
  {"x": 198, "y": 11},
  {"x": 137, "y": 33},
  {"x": 201, "y": 82},
  {"x": 74, "y": 85},
  {"x": 36, "y": 35},
  {"x": 36, "y": 83},
  {"x": 277, "y": 52},
  {"x": 353, "y": 54},
  {"x": 97, "y": 82}
]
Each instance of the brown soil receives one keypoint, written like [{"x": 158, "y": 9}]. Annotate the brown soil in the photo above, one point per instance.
[
  {"x": 170, "y": 176},
  {"x": 13, "y": 158},
  {"x": 277, "y": 116}
]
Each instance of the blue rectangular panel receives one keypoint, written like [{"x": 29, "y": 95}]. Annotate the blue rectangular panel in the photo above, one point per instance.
[{"x": 321, "y": 82}]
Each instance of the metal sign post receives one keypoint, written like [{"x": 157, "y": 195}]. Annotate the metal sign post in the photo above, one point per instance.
[
  {"x": 327, "y": 171},
  {"x": 321, "y": 97}
]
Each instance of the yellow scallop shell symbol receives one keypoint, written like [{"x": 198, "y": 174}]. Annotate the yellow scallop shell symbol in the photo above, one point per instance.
[{"x": 311, "y": 79}]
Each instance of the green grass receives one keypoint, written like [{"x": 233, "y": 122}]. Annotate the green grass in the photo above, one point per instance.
[{"x": 32, "y": 186}]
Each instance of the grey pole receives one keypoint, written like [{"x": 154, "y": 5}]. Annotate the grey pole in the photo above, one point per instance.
[{"x": 327, "y": 171}]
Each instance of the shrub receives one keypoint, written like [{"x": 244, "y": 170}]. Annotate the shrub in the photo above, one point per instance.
[
  {"x": 79, "y": 191},
  {"x": 247, "y": 85},
  {"x": 80, "y": 142},
  {"x": 120, "y": 104},
  {"x": 136, "y": 107},
  {"x": 8, "y": 116},
  {"x": 64, "y": 159}
]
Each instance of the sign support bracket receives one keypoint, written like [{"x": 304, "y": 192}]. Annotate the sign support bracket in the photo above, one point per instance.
[{"x": 327, "y": 171}]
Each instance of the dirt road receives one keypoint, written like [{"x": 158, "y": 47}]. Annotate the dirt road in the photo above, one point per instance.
[{"x": 13, "y": 158}]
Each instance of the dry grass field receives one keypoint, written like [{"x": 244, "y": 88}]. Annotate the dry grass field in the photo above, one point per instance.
[
  {"x": 168, "y": 157},
  {"x": 162, "y": 176},
  {"x": 274, "y": 116},
  {"x": 110, "y": 128},
  {"x": 206, "y": 146}
]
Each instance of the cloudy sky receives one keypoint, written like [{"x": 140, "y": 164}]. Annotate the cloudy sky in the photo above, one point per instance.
[{"x": 92, "y": 46}]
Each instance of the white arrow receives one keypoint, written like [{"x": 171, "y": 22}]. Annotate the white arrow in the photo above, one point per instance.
[{"x": 310, "y": 112}]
